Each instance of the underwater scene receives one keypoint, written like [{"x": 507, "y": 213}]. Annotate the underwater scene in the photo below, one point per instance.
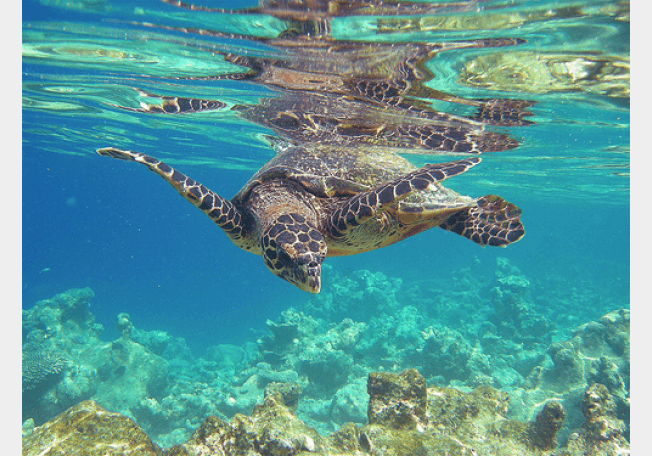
[{"x": 436, "y": 195}]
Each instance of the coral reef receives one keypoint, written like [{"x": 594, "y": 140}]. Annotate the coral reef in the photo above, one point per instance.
[
  {"x": 65, "y": 362},
  {"x": 404, "y": 418},
  {"x": 480, "y": 335},
  {"x": 597, "y": 353}
]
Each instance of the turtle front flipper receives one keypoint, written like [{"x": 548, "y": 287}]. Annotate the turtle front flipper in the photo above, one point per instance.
[
  {"x": 366, "y": 205},
  {"x": 221, "y": 211},
  {"x": 491, "y": 221}
]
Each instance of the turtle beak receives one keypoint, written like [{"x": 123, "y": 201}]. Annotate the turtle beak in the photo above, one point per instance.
[
  {"x": 295, "y": 252},
  {"x": 313, "y": 279},
  {"x": 307, "y": 276}
]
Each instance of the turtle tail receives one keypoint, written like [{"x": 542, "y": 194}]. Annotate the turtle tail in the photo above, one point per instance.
[
  {"x": 492, "y": 221},
  {"x": 221, "y": 211}
]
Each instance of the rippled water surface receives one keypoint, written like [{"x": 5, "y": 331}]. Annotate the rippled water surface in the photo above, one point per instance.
[{"x": 90, "y": 221}]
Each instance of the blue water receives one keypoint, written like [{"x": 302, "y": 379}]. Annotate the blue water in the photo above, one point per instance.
[{"x": 114, "y": 227}]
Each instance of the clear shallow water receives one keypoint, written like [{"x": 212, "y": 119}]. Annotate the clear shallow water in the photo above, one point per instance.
[{"x": 95, "y": 222}]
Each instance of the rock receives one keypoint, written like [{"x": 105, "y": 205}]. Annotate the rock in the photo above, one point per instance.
[
  {"x": 602, "y": 433},
  {"x": 226, "y": 356},
  {"x": 128, "y": 373},
  {"x": 349, "y": 403},
  {"x": 449, "y": 408},
  {"x": 162, "y": 344},
  {"x": 124, "y": 325},
  {"x": 284, "y": 393},
  {"x": 446, "y": 353},
  {"x": 58, "y": 335},
  {"x": 597, "y": 353},
  {"x": 326, "y": 369},
  {"x": 360, "y": 295},
  {"x": 271, "y": 430},
  {"x": 542, "y": 432},
  {"x": 65, "y": 315},
  {"x": 405, "y": 418},
  {"x": 89, "y": 430},
  {"x": 27, "y": 427},
  {"x": 267, "y": 374},
  {"x": 513, "y": 315},
  {"x": 398, "y": 401},
  {"x": 283, "y": 333},
  {"x": 65, "y": 362}
]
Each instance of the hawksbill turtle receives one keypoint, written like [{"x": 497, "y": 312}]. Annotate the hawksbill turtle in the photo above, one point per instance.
[{"x": 312, "y": 201}]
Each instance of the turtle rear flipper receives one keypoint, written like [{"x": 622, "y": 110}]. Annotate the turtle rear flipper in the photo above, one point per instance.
[
  {"x": 221, "y": 211},
  {"x": 492, "y": 221},
  {"x": 366, "y": 205}
]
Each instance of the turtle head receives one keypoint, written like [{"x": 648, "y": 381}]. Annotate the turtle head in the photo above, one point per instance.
[{"x": 294, "y": 250}]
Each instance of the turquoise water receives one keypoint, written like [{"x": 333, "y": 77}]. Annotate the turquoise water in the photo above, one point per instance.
[
  {"x": 93, "y": 222},
  {"x": 120, "y": 230}
]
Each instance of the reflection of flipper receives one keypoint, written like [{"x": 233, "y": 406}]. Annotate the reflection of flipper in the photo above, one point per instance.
[
  {"x": 459, "y": 140},
  {"x": 315, "y": 118},
  {"x": 174, "y": 105},
  {"x": 505, "y": 113},
  {"x": 493, "y": 221}
]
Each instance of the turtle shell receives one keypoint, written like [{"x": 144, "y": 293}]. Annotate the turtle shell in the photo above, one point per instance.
[{"x": 329, "y": 171}]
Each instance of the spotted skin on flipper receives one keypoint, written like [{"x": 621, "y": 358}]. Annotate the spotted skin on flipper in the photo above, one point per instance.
[
  {"x": 221, "y": 211},
  {"x": 492, "y": 221},
  {"x": 366, "y": 205}
]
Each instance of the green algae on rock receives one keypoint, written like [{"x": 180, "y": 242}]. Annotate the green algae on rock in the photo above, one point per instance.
[
  {"x": 602, "y": 433},
  {"x": 89, "y": 430},
  {"x": 405, "y": 418},
  {"x": 398, "y": 401}
]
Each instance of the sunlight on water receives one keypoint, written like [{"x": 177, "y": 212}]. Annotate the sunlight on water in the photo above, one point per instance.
[{"x": 580, "y": 85}]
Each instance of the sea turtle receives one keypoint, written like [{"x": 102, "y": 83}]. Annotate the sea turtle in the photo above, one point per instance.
[{"x": 311, "y": 201}]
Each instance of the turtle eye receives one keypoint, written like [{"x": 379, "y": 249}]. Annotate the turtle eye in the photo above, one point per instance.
[{"x": 287, "y": 253}]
